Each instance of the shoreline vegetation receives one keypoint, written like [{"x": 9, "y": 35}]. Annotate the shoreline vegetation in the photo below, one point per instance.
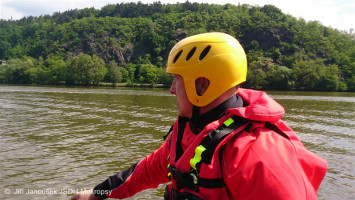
[
  {"x": 101, "y": 84},
  {"x": 106, "y": 85},
  {"x": 127, "y": 44}
]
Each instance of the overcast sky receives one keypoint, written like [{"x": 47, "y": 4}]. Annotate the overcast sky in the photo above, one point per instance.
[{"x": 339, "y": 14}]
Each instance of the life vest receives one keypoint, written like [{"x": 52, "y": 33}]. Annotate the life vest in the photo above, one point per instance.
[
  {"x": 254, "y": 161},
  {"x": 196, "y": 173},
  {"x": 199, "y": 176}
]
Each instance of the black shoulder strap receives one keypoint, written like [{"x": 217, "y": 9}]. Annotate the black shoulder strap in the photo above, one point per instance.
[
  {"x": 181, "y": 129},
  {"x": 204, "y": 153},
  {"x": 207, "y": 147},
  {"x": 168, "y": 133}
]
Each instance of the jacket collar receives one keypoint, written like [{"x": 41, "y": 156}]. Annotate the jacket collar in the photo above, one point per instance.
[{"x": 215, "y": 114}]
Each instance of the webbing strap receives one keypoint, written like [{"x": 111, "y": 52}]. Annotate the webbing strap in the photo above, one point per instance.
[
  {"x": 203, "y": 154},
  {"x": 190, "y": 180},
  {"x": 181, "y": 129},
  {"x": 205, "y": 151}
]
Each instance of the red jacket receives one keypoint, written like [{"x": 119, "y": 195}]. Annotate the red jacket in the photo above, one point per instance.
[{"x": 259, "y": 163}]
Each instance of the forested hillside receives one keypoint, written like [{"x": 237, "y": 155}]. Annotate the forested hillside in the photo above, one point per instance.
[{"x": 129, "y": 43}]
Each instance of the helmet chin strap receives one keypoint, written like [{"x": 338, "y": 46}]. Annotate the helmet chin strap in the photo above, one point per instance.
[
  {"x": 195, "y": 112},
  {"x": 194, "y": 121}
]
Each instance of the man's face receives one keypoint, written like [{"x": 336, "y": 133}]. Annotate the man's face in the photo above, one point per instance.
[{"x": 183, "y": 104}]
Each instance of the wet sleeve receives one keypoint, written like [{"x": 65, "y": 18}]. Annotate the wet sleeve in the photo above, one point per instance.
[{"x": 148, "y": 173}]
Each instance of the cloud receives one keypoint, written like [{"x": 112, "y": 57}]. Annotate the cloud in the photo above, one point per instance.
[
  {"x": 335, "y": 13},
  {"x": 9, "y": 13},
  {"x": 22, "y": 8},
  {"x": 34, "y": 8}
]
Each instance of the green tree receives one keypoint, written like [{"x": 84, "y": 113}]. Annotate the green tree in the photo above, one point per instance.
[
  {"x": 306, "y": 74},
  {"x": 98, "y": 70},
  {"x": 261, "y": 73},
  {"x": 283, "y": 78},
  {"x": 163, "y": 77},
  {"x": 39, "y": 74},
  {"x": 17, "y": 71},
  {"x": 84, "y": 69},
  {"x": 148, "y": 74},
  {"x": 114, "y": 73},
  {"x": 5, "y": 46},
  {"x": 128, "y": 73},
  {"x": 57, "y": 69},
  {"x": 351, "y": 84},
  {"x": 329, "y": 80},
  {"x": 125, "y": 74},
  {"x": 78, "y": 69}
]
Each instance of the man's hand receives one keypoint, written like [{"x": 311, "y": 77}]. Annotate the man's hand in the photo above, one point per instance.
[{"x": 83, "y": 195}]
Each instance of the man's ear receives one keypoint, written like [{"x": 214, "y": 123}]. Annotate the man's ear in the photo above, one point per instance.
[{"x": 201, "y": 85}]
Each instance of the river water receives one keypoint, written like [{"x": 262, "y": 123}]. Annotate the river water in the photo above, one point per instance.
[{"x": 58, "y": 140}]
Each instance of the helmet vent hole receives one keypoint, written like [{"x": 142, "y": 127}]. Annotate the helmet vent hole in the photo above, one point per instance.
[
  {"x": 177, "y": 56},
  {"x": 205, "y": 52},
  {"x": 191, "y": 53}
]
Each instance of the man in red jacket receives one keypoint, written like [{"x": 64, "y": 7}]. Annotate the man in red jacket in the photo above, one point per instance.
[{"x": 227, "y": 143}]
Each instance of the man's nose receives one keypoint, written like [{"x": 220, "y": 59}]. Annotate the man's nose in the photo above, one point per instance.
[{"x": 172, "y": 89}]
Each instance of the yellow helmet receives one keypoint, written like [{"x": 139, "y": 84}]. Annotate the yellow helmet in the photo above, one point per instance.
[{"x": 216, "y": 56}]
